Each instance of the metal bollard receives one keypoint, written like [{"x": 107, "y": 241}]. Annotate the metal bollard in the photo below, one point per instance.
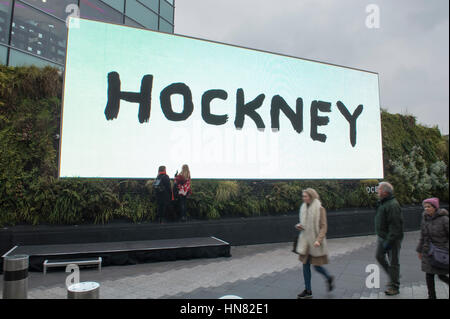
[
  {"x": 84, "y": 290},
  {"x": 15, "y": 277}
]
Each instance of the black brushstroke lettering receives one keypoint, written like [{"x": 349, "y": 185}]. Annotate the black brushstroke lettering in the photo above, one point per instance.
[
  {"x": 296, "y": 118},
  {"x": 115, "y": 95},
  {"x": 249, "y": 109},
  {"x": 317, "y": 120},
  {"x": 166, "y": 103},
  {"x": 207, "y": 97},
  {"x": 351, "y": 119}
]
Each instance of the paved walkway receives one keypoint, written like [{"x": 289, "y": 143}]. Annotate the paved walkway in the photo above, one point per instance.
[{"x": 267, "y": 271}]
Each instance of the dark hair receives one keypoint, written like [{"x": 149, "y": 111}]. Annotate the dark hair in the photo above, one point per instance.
[{"x": 161, "y": 169}]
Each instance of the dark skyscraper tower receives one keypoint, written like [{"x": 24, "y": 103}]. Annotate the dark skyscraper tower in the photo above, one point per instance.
[{"x": 34, "y": 31}]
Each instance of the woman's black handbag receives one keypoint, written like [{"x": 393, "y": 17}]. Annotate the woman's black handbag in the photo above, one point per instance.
[{"x": 438, "y": 257}]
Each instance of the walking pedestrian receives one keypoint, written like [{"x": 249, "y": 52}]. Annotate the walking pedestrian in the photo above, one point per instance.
[
  {"x": 433, "y": 232},
  {"x": 389, "y": 229},
  {"x": 163, "y": 193},
  {"x": 312, "y": 244}
]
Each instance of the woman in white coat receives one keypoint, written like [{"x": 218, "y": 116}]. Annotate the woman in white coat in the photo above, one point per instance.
[{"x": 312, "y": 244}]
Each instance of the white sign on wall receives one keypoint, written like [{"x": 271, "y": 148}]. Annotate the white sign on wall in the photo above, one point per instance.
[{"x": 136, "y": 99}]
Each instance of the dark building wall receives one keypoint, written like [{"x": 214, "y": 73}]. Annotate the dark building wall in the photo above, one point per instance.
[{"x": 236, "y": 231}]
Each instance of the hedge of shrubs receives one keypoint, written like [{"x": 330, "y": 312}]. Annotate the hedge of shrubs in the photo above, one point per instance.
[{"x": 415, "y": 161}]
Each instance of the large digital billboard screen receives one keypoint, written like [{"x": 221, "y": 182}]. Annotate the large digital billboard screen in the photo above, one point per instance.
[{"x": 136, "y": 99}]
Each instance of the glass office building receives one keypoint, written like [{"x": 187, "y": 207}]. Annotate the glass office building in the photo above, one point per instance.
[{"x": 34, "y": 31}]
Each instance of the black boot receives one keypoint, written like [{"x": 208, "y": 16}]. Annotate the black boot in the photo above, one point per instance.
[
  {"x": 330, "y": 282},
  {"x": 306, "y": 294},
  {"x": 431, "y": 286}
]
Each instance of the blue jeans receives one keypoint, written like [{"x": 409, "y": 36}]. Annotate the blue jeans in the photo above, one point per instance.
[{"x": 307, "y": 273}]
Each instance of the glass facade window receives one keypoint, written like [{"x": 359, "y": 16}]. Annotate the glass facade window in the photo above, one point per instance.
[
  {"x": 97, "y": 10},
  {"x": 3, "y": 54},
  {"x": 152, "y": 4},
  {"x": 165, "y": 26},
  {"x": 132, "y": 23},
  {"x": 166, "y": 11},
  {"x": 5, "y": 20},
  {"x": 53, "y": 7},
  {"x": 17, "y": 58},
  {"x": 141, "y": 14},
  {"x": 38, "y": 33},
  {"x": 119, "y": 5},
  {"x": 34, "y": 31}
]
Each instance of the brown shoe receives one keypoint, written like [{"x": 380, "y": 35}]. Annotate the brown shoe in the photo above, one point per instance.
[
  {"x": 392, "y": 292},
  {"x": 388, "y": 287}
]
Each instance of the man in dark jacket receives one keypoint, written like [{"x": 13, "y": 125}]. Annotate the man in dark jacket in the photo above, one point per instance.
[
  {"x": 163, "y": 193},
  {"x": 389, "y": 229}
]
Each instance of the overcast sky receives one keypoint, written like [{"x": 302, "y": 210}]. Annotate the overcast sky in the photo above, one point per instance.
[{"x": 409, "y": 50}]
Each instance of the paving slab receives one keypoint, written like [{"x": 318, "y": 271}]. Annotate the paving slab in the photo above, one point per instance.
[{"x": 267, "y": 271}]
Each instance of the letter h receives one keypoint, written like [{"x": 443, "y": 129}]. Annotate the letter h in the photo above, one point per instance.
[{"x": 144, "y": 98}]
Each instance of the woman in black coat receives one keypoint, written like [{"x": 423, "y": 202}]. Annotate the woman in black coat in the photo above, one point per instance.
[{"x": 434, "y": 229}]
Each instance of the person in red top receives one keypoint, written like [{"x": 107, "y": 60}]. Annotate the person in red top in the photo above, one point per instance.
[{"x": 183, "y": 185}]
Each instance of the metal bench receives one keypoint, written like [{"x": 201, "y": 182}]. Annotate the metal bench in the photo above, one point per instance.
[{"x": 79, "y": 262}]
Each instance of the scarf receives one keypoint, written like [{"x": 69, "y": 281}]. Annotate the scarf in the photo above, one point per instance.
[{"x": 310, "y": 220}]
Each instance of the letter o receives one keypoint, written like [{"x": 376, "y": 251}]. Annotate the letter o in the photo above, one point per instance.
[{"x": 166, "y": 103}]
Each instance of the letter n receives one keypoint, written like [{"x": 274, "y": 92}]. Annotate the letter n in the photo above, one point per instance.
[{"x": 296, "y": 118}]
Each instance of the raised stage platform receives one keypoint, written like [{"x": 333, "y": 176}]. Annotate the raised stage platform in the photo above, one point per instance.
[{"x": 126, "y": 252}]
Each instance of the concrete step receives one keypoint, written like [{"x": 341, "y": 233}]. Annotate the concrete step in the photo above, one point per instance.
[{"x": 414, "y": 290}]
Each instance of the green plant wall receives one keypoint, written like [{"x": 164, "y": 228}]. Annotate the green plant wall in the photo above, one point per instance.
[{"x": 415, "y": 161}]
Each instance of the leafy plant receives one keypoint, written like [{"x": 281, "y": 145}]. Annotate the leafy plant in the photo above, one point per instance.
[
  {"x": 416, "y": 160},
  {"x": 420, "y": 178}
]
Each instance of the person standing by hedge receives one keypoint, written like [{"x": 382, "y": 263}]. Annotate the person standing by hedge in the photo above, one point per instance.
[
  {"x": 162, "y": 192},
  {"x": 433, "y": 231},
  {"x": 183, "y": 184},
  {"x": 312, "y": 244},
  {"x": 389, "y": 229}
]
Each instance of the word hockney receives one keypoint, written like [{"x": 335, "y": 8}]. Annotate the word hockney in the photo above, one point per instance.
[{"x": 136, "y": 99}]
